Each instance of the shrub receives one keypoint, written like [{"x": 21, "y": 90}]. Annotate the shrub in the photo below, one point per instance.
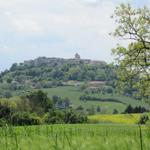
[
  {"x": 73, "y": 117},
  {"x": 98, "y": 109},
  {"x": 80, "y": 108},
  {"x": 24, "y": 118},
  {"x": 54, "y": 117},
  {"x": 139, "y": 109},
  {"x": 39, "y": 101},
  {"x": 143, "y": 119},
  {"x": 115, "y": 111},
  {"x": 68, "y": 116},
  {"x": 5, "y": 111},
  {"x": 3, "y": 122}
]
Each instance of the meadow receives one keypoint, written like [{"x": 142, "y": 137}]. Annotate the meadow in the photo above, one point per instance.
[
  {"x": 115, "y": 132},
  {"x": 74, "y": 93},
  {"x": 74, "y": 137}
]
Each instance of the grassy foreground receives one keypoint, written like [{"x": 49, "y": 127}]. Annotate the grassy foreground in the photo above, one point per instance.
[{"x": 74, "y": 137}]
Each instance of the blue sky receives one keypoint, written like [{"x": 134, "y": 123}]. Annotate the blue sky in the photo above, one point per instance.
[{"x": 57, "y": 28}]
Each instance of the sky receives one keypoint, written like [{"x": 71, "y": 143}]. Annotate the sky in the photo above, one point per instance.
[{"x": 57, "y": 28}]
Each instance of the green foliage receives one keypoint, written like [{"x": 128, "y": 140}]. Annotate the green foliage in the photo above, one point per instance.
[
  {"x": 73, "y": 117},
  {"x": 115, "y": 111},
  {"x": 92, "y": 98},
  {"x": 98, "y": 109},
  {"x": 143, "y": 119},
  {"x": 39, "y": 101},
  {"x": 5, "y": 112},
  {"x": 80, "y": 108},
  {"x": 61, "y": 103},
  {"x": 25, "y": 118},
  {"x": 54, "y": 117},
  {"x": 3, "y": 122},
  {"x": 139, "y": 109},
  {"x": 134, "y": 64},
  {"x": 67, "y": 116},
  {"x": 36, "y": 108},
  {"x": 91, "y": 110}
]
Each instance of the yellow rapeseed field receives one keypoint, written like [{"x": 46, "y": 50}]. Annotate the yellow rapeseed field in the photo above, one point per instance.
[{"x": 116, "y": 118}]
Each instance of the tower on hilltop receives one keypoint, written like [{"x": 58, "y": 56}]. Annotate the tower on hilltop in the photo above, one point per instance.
[{"x": 77, "y": 56}]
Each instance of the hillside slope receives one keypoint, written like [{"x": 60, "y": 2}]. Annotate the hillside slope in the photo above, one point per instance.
[
  {"x": 50, "y": 72},
  {"x": 106, "y": 107}
]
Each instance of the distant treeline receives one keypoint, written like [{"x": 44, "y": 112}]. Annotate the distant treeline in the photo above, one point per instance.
[
  {"x": 137, "y": 109},
  {"x": 92, "y": 98}
]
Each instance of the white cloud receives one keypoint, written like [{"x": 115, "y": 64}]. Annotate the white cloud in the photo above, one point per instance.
[
  {"x": 91, "y": 1},
  {"x": 26, "y": 24},
  {"x": 7, "y": 13},
  {"x": 25, "y": 17},
  {"x": 5, "y": 49}
]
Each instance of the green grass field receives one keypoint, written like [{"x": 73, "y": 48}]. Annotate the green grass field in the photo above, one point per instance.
[
  {"x": 74, "y": 137},
  {"x": 73, "y": 93}
]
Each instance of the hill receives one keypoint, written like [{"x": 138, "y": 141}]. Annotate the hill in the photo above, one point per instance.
[
  {"x": 86, "y": 85},
  {"x": 51, "y": 72}
]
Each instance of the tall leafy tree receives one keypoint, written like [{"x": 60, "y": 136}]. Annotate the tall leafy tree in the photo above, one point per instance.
[
  {"x": 133, "y": 25},
  {"x": 39, "y": 101}
]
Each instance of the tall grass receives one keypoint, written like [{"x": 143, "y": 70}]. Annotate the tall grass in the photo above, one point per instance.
[{"x": 74, "y": 137}]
